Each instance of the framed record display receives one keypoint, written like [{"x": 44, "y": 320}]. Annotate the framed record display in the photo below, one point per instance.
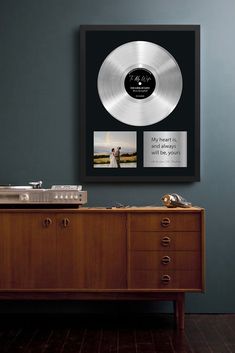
[{"x": 140, "y": 103}]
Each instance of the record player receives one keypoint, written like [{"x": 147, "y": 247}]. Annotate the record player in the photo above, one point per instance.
[{"x": 33, "y": 195}]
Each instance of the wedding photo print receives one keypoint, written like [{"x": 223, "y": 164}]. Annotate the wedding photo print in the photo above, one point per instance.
[{"x": 115, "y": 149}]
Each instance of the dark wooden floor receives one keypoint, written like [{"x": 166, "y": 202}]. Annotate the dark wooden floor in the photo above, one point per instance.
[{"x": 140, "y": 334}]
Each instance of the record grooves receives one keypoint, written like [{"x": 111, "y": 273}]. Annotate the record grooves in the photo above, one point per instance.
[{"x": 139, "y": 83}]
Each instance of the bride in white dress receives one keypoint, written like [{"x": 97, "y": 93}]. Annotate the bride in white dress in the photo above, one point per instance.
[{"x": 113, "y": 162}]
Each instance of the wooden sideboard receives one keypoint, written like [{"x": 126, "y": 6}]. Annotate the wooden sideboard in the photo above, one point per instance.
[{"x": 146, "y": 253}]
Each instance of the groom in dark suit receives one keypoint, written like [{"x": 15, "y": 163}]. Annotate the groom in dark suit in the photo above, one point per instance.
[{"x": 117, "y": 156}]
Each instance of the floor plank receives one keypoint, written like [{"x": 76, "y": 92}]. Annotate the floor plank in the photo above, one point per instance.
[
  {"x": 22, "y": 341},
  {"x": 40, "y": 341},
  {"x": 56, "y": 340},
  {"x": 132, "y": 334},
  {"x": 109, "y": 342},
  {"x": 73, "y": 341},
  {"x": 7, "y": 338}
]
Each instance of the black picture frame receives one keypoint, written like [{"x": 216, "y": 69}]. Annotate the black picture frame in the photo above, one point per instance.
[{"x": 96, "y": 42}]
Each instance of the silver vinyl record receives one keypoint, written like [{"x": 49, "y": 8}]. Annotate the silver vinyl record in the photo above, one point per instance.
[{"x": 139, "y": 83}]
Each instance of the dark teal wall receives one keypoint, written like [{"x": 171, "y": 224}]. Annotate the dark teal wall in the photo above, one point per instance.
[{"x": 39, "y": 112}]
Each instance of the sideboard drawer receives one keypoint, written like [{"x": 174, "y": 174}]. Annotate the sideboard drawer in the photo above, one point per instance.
[
  {"x": 165, "y": 240},
  {"x": 165, "y": 221},
  {"x": 165, "y": 280},
  {"x": 163, "y": 260}
]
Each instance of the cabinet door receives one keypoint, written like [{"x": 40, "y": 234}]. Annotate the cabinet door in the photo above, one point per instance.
[
  {"x": 27, "y": 250},
  {"x": 91, "y": 251}
]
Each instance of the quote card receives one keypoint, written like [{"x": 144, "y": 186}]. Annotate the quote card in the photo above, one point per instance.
[{"x": 165, "y": 149}]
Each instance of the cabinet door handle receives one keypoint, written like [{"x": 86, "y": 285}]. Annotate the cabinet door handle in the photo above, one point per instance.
[
  {"x": 47, "y": 222},
  {"x": 166, "y": 241},
  {"x": 165, "y": 279},
  {"x": 65, "y": 222},
  {"x": 166, "y": 260},
  {"x": 165, "y": 222}
]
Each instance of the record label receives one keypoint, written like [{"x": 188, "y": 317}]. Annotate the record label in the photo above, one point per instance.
[{"x": 140, "y": 83}]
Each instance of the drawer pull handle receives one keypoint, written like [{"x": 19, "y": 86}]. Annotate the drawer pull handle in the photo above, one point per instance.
[
  {"x": 65, "y": 222},
  {"x": 165, "y": 241},
  {"x": 166, "y": 260},
  {"x": 165, "y": 222},
  {"x": 47, "y": 222},
  {"x": 165, "y": 279}
]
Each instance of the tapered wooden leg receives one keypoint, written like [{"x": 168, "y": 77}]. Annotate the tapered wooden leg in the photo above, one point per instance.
[{"x": 179, "y": 311}]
